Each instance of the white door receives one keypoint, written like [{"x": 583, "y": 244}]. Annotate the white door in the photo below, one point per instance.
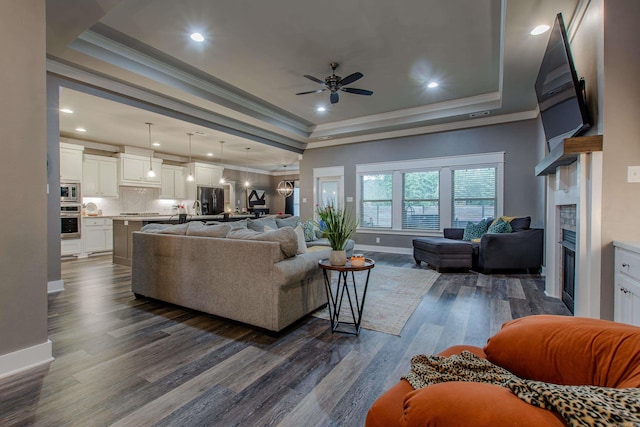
[{"x": 330, "y": 191}]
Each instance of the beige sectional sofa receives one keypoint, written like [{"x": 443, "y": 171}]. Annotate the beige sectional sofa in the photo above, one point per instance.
[{"x": 250, "y": 281}]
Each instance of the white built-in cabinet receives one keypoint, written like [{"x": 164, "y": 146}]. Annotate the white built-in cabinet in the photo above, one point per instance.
[
  {"x": 174, "y": 182},
  {"x": 70, "y": 162},
  {"x": 97, "y": 234},
  {"x": 207, "y": 175},
  {"x": 627, "y": 283},
  {"x": 99, "y": 176},
  {"x": 70, "y": 247},
  {"x": 133, "y": 169}
]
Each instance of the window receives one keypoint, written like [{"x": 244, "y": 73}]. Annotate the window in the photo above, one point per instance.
[
  {"x": 420, "y": 205},
  {"x": 427, "y": 195},
  {"x": 474, "y": 195},
  {"x": 376, "y": 200}
]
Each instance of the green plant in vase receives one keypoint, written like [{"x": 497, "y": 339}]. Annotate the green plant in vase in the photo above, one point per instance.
[{"x": 338, "y": 224}]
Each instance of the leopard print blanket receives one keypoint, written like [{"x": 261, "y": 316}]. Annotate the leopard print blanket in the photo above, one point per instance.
[{"x": 578, "y": 405}]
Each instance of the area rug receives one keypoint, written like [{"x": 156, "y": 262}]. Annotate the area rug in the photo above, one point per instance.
[{"x": 392, "y": 297}]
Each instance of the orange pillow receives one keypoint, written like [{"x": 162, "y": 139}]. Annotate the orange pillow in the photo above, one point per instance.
[
  {"x": 472, "y": 404},
  {"x": 568, "y": 350}
]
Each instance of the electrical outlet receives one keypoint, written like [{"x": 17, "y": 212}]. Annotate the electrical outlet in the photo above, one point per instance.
[
  {"x": 633, "y": 174},
  {"x": 377, "y": 240}
]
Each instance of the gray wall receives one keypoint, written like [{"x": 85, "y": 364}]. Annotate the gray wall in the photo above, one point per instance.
[
  {"x": 524, "y": 192},
  {"x": 621, "y": 130},
  {"x": 23, "y": 263},
  {"x": 53, "y": 179}
]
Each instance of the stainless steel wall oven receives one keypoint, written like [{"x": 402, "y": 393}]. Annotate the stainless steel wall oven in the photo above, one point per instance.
[{"x": 70, "y": 221}]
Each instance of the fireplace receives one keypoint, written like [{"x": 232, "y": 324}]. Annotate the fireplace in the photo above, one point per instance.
[{"x": 568, "y": 268}]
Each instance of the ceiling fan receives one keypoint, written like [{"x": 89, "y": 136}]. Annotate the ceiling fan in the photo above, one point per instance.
[{"x": 335, "y": 83}]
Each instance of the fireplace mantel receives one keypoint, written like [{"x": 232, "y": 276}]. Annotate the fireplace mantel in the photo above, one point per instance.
[{"x": 567, "y": 152}]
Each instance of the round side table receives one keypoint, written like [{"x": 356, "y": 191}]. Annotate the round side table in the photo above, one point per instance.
[{"x": 335, "y": 296}]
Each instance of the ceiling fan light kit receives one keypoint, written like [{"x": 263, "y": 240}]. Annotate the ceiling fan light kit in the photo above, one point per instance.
[{"x": 336, "y": 83}]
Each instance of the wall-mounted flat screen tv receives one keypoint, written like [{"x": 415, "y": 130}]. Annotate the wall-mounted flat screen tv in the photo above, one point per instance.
[{"x": 560, "y": 94}]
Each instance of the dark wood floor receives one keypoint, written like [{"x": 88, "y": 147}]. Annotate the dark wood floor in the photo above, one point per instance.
[{"x": 128, "y": 362}]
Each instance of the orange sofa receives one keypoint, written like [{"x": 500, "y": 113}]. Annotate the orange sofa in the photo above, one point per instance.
[{"x": 554, "y": 349}]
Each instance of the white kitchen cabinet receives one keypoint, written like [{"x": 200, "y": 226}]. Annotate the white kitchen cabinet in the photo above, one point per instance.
[
  {"x": 70, "y": 247},
  {"x": 70, "y": 162},
  {"x": 173, "y": 182},
  {"x": 99, "y": 176},
  {"x": 132, "y": 171},
  {"x": 207, "y": 175},
  {"x": 627, "y": 283},
  {"x": 97, "y": 234}
]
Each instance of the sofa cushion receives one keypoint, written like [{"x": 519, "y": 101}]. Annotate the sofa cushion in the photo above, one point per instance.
[
  {"x": 257, "y": 224},
  {"x": 521, "y": 223},
  {"x": 474, "y": 230},
  {"x": 292, "y": 221},
  {"x": 154, "y": 228},
  {"x": 499, "y": 226},
  {"x": 197, "y": 228},
  {"x": 285, "y": 236},
  {"x": 309, "y": 231},
  {"x": 302, "y": 245},
  {"x": 568, "y": 350},
  {"x": 178, "y": 229}
]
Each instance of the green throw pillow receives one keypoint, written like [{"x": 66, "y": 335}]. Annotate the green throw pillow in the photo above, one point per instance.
[
  {"x": 499, "y": 226},
  {"x": 309, "y": 231},
  {"x": 474, "y": 230}
]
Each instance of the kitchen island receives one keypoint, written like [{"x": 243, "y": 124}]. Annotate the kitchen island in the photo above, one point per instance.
[{"x": 125, "y": 225}]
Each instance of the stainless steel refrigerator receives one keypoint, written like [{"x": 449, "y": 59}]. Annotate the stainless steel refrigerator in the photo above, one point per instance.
[{"x": 211, "y": 200}]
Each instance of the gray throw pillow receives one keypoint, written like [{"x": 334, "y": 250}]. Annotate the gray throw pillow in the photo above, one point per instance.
[
  {"x": 154, "y": 228},
  {"x": 259, "y": 223},
  {"x": 521, "y": 223},
  {"x": 285, "y": 236},
  {"x": 292, "y": 221},
  {"x": 178, "y": 229},
  {"x": 202, "y": 230}
]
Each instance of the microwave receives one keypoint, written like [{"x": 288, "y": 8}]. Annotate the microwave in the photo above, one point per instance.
[{"x": 70, "y": 192}]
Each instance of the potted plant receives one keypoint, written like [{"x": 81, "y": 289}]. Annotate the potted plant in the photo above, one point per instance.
[{"x": 338, "y": 225}]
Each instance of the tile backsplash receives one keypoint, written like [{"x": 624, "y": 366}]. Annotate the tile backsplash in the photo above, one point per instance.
[{"x": 134, "y": 199}]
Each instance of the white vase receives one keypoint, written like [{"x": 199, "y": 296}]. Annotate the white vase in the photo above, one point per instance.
[{"x": 338, "y": 257}]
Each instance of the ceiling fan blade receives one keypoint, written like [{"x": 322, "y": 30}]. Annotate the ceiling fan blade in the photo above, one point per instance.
[
  {"x": 314, "y": 79},
  {"x": 311, "y": 91},
  {"x": 350, "y": 79},
  {"x": 334, "y": 97},
  {"x": 357, "y": 91}
]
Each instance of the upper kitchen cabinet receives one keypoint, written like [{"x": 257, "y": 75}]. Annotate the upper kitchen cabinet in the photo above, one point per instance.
[
  {"x": 99, "y": 176},
  {"x": 207, "y": 175},
  {"x": 132, "y": 171},
  {"x": 70, "y": 162},
  {"x": 173, "y": 182}
]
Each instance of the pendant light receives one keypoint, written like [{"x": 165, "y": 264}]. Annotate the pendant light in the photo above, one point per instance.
[
  {"x": 285, "y": 188},
  {"x": 190, "y": 177},
  {"x": 247, "y": 184},
  {"x": 150, "y": 173},
  {"x": 222, "y": 180}
]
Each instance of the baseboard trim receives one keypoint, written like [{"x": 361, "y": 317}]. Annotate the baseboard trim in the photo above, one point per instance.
[
  {"x": 24, "y": 359},
  {"x": 55, "y": 286},
  {"x": 388, "y": 249}
]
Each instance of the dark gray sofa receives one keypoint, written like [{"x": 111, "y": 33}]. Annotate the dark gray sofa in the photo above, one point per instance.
[{"x": 522, "y": 249}]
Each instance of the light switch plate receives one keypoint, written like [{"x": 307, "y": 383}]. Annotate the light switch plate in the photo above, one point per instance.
[
  {"x": 633, "y": 174},
  {"x": 304, "y": 200},
  {"x": 349, "y": 199}
]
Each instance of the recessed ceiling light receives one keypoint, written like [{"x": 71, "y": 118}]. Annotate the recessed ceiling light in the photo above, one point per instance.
[
  {"x": 321, "y": 109},
  {"x": 81, "y": 130},
  {"x": 197, "y": 37},
  {"x": 66, "y": 110},
  {"x": 540, "y": 29},
  {"x": 210, "y": 154},
  {"x": 156, "y": 144},
  {"x": 431, "y": 85},
  {"x": 324, "y": 138}
]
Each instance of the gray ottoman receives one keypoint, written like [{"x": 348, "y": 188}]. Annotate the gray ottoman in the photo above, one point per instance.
[{"x": 441, "y": 253}]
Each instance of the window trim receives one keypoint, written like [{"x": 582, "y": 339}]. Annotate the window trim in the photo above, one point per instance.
[{"x": 445, "y": 165}]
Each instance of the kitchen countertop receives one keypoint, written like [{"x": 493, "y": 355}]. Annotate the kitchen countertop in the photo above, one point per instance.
[{"x": 157, "y": 218}]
